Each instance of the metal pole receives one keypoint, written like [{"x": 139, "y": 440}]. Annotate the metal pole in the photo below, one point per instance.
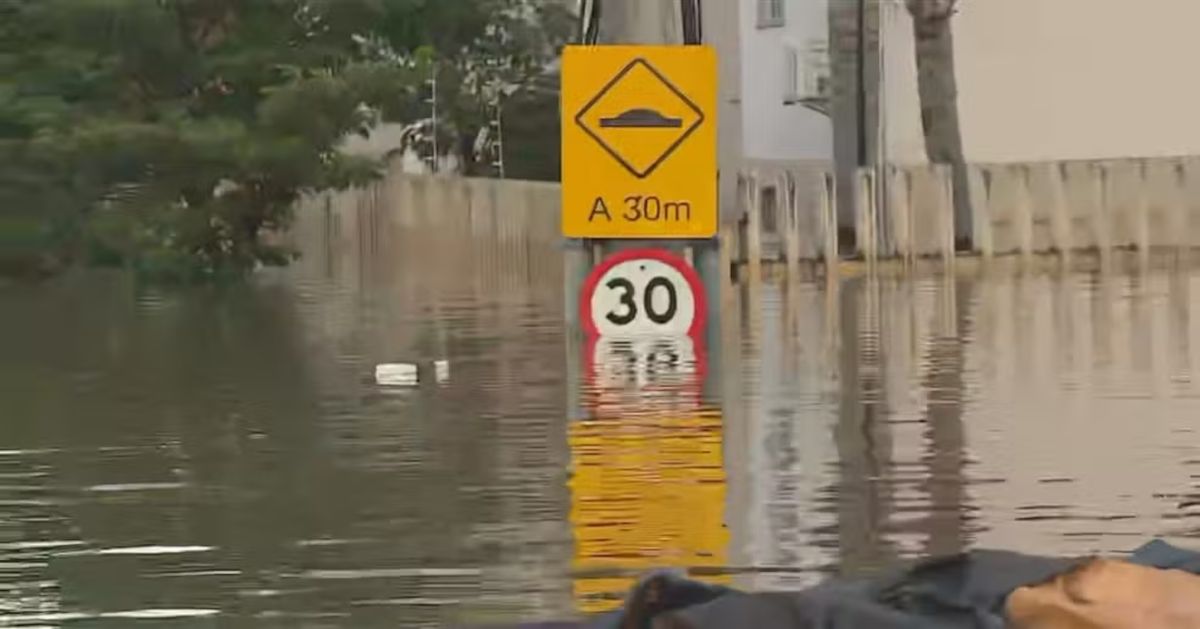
[
  {"x": 498, "y": 121},
  {"x": 433, "y": 96},
  {"x": 862, "y": 82},
  {"x": 611, "y": 21},
  {"x": 882, "y": 182},
  {"x": 589, "y": 21}
]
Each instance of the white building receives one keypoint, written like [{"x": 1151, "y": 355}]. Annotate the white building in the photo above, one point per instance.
[
  {"x": 774, "y": 90},
  {"x": 772, "y": 77},
  {"x": 784, "y": 80},
  {"x": 1037, "y": 80}
]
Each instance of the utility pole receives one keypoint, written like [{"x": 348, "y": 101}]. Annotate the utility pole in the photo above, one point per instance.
[
  {"x": 882, "y": 180},
  {"x": 432, "y": 101},
  {"x": 654, "y": 22},
  {"x": 675, "y": 23},
  {"x": 861, "y": 82},
  {"x": 498, "y": 129}
]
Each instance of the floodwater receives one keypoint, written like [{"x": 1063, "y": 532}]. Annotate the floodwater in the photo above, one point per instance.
[{"x": 223, "y": 457}]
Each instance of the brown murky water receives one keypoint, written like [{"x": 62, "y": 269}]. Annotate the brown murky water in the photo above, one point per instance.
[{"x": 224, "y": 458}]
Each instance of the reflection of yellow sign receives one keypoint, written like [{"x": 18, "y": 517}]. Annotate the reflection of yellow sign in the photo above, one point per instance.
[
  {"x": 639, "y": 142},
  {"x": 645, "y": 493}
]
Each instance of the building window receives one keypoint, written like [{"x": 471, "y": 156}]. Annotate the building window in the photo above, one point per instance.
[
  {"x": 770, "y": 13},
  {"x": 791, "y": 75}
]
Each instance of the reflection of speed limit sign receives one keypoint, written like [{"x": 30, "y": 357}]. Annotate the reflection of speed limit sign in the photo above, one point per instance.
[
  {"x": 643, "y": 292},
  {"x": 641, "y": 375},
  {"x": 644, "y": 360}
]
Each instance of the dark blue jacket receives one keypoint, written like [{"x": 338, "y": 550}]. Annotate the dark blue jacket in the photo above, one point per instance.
[{"x": 965, "y": 591}]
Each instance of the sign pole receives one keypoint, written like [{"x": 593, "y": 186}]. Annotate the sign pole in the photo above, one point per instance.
[
  {"x": 608, "y": 23},
  {"x": 643, "y": 276}
]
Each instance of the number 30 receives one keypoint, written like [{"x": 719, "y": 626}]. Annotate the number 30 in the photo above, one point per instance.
[{"x": 630, "y": 308}]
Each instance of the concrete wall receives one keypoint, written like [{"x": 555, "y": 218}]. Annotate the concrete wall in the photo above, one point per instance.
[
  {"x": 901, "y": 115},
  {"x": 1058, "y": 80},
  {"x": 508, "y": 227},
  {"x": 1077, "y": 79},
  {"x": 1019, "y": 207}
]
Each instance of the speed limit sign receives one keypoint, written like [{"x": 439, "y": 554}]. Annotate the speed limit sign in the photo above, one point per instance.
[{"x": 641, "y": 292}]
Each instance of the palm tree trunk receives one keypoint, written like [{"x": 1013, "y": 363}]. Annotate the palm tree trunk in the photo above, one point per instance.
[{"x": 938, "y": 92}]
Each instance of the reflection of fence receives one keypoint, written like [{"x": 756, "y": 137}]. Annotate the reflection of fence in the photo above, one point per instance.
[
  {"x": 422, "y": 268},
  {"x": 1020, "y": 208},
  {"x": 789, "y": 214}
]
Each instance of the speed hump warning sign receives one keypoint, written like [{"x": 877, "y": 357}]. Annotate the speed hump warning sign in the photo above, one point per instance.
[{"x": 639, "y": 142}]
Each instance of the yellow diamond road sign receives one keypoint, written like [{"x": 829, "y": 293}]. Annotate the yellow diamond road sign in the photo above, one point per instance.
[
  {"x": 639, "y": 142},
  {"x": 640, "y": 138}
]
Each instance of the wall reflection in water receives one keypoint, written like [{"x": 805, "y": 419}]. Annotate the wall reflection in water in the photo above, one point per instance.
[
  {"x": 861, "y": 421},
  {"x": 885, "y": 419}
]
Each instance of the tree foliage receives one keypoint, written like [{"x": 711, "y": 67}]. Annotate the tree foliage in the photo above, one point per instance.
[
  {"x": 476, "y": 82},
  {"x": 173, "y": 135}
]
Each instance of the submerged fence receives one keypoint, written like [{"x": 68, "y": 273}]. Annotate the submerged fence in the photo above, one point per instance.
[
  {"x": 790, "y": 214},
  {"x": 1021, "y": 208}
]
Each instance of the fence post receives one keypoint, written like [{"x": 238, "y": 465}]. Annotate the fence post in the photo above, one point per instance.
[
  {"x": 829, "y": 223},
  {"x": 979, "y": 186},
  {"x": 1060, "y": 214},
  {"x": 791, "y": 222},
  {"x": 1023, "y": 216},
  {"x": 900, "y": 213},
  {"x": 1141, "y": 215},
  {"x": 753, "y": 199},
  {"x": 867, "y": 214},
  {"x": 1101, "y": 219},
  {"x": 1177, "y": 207},
  {"x": 944, "y": 176},
  {"x": 1190, "y": 192},
  {"x": 726, "y": 243}
]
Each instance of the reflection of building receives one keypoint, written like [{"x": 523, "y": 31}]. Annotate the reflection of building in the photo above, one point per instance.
[
  {"x": 645, "y": 493},
  {"x": 790, "y": 455}
]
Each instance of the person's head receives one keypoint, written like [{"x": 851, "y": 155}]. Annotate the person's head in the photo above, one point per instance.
[{"x": 663, "y": 591}]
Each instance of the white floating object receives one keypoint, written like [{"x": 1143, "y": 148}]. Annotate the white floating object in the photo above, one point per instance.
[
  {"x": 441, "y": 370},
  {"x": 396, "y": 374},
  {"x": 162, "y": 613},
  {"x": 153, "y": 550}
]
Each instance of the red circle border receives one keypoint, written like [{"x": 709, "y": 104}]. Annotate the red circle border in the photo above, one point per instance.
[{"x": 696, "y": 331}]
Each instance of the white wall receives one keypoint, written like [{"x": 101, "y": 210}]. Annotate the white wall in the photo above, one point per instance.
[
  {"x": 1061, "y": 79},
  {"x": 905, "y": 141},
  {"x": 773, "y": 130}
]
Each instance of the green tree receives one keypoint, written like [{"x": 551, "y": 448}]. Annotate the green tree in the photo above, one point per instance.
[
  {"x": 479, "y": 76},
  {"x": 174, "y": 136}
]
